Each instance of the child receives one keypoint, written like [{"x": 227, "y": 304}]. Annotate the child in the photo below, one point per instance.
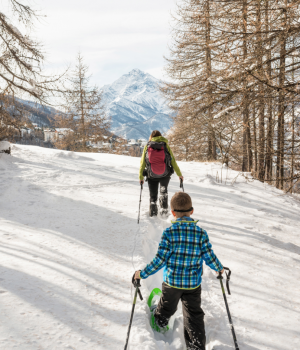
[{"x": 181, "y": 252}]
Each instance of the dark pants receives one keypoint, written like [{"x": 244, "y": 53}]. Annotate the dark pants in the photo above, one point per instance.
[
  {"x": 193, "y": 315},
  {"x": 153, "y": 189}
]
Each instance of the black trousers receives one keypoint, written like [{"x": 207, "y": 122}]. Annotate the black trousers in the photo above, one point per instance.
[
  {"x": 193, "y": 315},
  {"x": 153, "y": 189}
]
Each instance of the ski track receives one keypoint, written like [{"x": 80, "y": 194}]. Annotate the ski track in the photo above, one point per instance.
[{"x": 69, "y": 241}]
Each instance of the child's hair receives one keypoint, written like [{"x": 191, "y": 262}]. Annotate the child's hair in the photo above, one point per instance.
[
  {"x": 181, "y": 201},
  {"x": 154, "y": 133}
]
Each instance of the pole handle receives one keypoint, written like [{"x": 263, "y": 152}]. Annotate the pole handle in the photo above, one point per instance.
[
  {"x": 181, "y": 185},
  {"x": 220, "y": 277},
  {"x": 137, "y": 284}
]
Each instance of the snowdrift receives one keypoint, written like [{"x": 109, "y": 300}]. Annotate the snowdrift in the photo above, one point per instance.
[{"x": 70, "y": 244}]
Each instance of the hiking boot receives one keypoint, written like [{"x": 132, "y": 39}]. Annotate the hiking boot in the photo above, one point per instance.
[{"x": 153, "y": 209}]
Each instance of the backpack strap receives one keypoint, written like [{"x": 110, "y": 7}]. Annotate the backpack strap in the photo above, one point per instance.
[{"x": 156, "y": 145}]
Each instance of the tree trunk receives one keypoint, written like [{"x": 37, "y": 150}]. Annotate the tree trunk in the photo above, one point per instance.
[
  {"x": 255, "y": 142},
  {"x": 82, "y": 104},
  {"x": 247, "y": 151},
  {"x": 269, "y": 141},
  {"x": 211, "y": 153},
  {"x": 281, "y": 108},
  {"x": 293, "y": 138},
  {"x": 269, "y": 145},
  {"x": 293, "y": 146},
  {"x": 261, "y": 107}
]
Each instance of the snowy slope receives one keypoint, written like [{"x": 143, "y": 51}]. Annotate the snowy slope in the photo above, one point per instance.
[
  {"x": 135, "y": 105},
  {"x": 70, "y": 244}
]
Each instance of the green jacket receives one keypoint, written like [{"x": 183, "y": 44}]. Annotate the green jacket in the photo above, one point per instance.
[{"x": 173, "y": 161}]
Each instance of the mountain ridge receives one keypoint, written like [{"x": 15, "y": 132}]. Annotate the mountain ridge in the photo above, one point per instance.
[{"x": 133, "y": 100}]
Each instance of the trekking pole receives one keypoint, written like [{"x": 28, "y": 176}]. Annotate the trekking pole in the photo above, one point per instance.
[
  {"x": 137, "y": 284},
  {"x": 181, "y": 185},
  {"x": 140, "y": 204},
  {"x": 220, "y": 277}
]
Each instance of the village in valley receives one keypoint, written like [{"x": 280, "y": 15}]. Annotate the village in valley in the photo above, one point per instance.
[{"x": 36, "y": 135}]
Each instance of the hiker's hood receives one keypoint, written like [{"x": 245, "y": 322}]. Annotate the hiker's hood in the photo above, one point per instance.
[{"x": 159, "y": 139}]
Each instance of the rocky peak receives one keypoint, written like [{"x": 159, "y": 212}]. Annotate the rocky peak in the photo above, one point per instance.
[{"x": 133, "y": 99}]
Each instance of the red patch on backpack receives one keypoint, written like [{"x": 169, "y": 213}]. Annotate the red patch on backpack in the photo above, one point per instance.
[{"x": 157, "y": 160}]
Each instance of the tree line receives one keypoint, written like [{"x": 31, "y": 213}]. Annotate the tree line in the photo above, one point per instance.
[{"x": 234, "y": 68}]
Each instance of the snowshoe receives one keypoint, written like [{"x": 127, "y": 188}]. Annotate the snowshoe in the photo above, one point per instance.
[
  {"x": 152, "y": 303},
  {"x": 153, "y": 209}
]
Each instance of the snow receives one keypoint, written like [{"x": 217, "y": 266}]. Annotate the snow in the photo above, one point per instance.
[
  {"x": 224, "y": 111},
  {"x": 64, "y": 130},
  {"x": 4, "y": 145},
  {"x": 70, "y": 244},
  {"x": 15, "y": 30},
  {"x": 32, "y": 83}
]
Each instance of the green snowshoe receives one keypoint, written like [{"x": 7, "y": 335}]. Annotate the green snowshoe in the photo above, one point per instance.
[{"x": 152, "y": 303}]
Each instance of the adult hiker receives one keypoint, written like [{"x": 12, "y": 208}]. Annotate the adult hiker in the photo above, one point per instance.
[{"x": 158, "y": 164}]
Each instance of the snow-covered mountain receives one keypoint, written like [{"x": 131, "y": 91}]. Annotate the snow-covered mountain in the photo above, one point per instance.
[{"x": 136, "y": 105}]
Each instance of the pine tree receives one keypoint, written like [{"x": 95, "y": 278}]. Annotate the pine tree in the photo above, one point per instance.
[{"x": 83, "y": 112}]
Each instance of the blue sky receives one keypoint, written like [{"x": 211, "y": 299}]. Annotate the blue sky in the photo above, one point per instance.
[{"x": 114, "y": 36}]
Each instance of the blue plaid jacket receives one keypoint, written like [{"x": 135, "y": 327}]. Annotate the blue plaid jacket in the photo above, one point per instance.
[{"x": 182, "y": 249}]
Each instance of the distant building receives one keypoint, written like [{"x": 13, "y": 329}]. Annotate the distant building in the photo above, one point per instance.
[
  {"x": 142, "y": 142},
  {"x": 132, "y": 142},
  {"x": 52, "y": 135},
  {"x": 49, "y": 135},
  {"x": 100, "y": 144},
  {"x": 25, "y": 131},
  {"x": 36, "y": 126}
]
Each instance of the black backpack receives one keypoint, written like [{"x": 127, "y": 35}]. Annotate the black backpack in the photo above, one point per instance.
[{"x": 158, "y": 160}]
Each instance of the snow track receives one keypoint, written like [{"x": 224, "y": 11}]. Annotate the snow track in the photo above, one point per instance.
[{"x": 69, "y": 239}]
